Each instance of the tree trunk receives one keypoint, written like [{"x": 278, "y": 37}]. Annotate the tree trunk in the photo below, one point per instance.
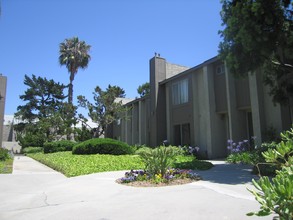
[{"x": 70, "y": 93}]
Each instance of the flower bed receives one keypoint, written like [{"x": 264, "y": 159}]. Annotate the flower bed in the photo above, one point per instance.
[{"x": 142, "y": 178}]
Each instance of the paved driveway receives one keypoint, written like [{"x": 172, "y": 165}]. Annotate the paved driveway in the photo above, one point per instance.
[{"x": 36, "y": 192}]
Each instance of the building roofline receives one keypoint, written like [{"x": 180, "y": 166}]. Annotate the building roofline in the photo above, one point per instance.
[
  {"x": 137, "y": 100},
  {"x": 209, "y": 61}
]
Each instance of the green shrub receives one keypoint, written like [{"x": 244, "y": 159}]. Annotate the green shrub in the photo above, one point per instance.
[
  {"x": 264, "y": 169},
  {"x": 246, "y": 157},
  {"x": 31, "y": 140},
  {"x": 142, "y": 149},
  {"x": 276, "y": 196},
  {"x": 137, "y": 147},
  {"x": 190, "y": 162},
  {"x": 57, "y": 146},
  {"x": 255, "y": 158},
  {"x": 102, "y": 146},
  {"x": 158, "y": 160},
  {"x": 32, "y": 150},
  {"x": 4, "y": 154}
]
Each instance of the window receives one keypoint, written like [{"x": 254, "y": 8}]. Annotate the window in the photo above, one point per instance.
[
  {"x": 182, "y": 134},
  {"x": 220, "y": 69},
  {"x": 180, "y": 92}
]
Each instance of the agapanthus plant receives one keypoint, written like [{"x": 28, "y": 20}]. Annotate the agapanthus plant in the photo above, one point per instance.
[
  {"x": 190, "y": 150},
  {"x": 241, "y": 146}
]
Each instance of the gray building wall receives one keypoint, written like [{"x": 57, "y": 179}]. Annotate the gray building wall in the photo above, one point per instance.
[
  {"x": 179, "y": 115},
  {"x": 3, "y": 83},
  {"x": 220, "y": 89},
  {"x": 8, "y": 132},
  {"x": 219, "y": 107},
  {"x": 134, "y": 126},
  {"x": 157, "y": 74}
]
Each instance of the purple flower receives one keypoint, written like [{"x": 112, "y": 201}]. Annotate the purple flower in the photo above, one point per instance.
[
  {"x": 128, "y": 179},
  {"x": 169, "y": 177},
  {"x": 230, "y": 141}
]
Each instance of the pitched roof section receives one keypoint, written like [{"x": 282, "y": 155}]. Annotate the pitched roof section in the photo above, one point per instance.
[
  {"x": 174, "y": 69},
  {"x": 209, "y": 61},
  {"x": 123, "y": 100}
]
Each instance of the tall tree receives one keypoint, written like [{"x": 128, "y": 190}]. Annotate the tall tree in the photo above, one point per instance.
[
  {"x": 74, "y": 54},
  {"x": 43, "y": 116},
  {"x": 259, "y": 35},
  {"x": 144, "y": 89},
  {"x": 42, "y": 98},
  {"x": 106, "y": 109}
]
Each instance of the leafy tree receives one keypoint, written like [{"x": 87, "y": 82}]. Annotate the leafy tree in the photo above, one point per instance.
[
  {"x": 259, "y": 35},
  {"x": 44, "y": 116},
  {"x": 144, "y": 89},
  {"x": 74, "y": 54},
  {"x": 106, "y": 109},
  {"x": 83, "y": 133},
  {"x": 43, "y": 97}
]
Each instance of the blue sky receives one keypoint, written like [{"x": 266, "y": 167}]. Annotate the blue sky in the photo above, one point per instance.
[{"x": 124, "y": 35}]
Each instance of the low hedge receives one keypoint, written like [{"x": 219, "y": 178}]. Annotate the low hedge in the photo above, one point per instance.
[
  {"x": 102, "y": 146},
  {"x": 32, "y": 150},
  {"x": 57, "y": 146}
]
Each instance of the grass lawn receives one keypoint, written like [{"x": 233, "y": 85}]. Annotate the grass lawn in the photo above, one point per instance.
[
  {"x": 6, "y": 166},
  {"x": 75, "y": 165}
]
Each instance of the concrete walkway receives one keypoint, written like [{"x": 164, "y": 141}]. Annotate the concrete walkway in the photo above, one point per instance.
[{"x": 35, "y": 192}]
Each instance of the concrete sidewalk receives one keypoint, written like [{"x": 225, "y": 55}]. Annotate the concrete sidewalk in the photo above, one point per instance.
[
  {"x": 26, "y": 165},
  {"x": 35, "y": 192}
]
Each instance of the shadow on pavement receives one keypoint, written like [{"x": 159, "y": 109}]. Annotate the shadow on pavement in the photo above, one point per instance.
[{"x": 228, "y": 174}]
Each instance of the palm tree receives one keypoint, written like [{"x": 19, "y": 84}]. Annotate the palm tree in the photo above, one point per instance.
[{"x": 74, "y": 54}]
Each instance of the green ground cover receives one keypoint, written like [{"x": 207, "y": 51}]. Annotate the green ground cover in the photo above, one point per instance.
[
  {"x": 6, "y": 166},
  {"x": 75, "y": 165}
]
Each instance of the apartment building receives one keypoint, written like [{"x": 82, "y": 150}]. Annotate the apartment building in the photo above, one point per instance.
[{"x": 201, "y": 106}]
